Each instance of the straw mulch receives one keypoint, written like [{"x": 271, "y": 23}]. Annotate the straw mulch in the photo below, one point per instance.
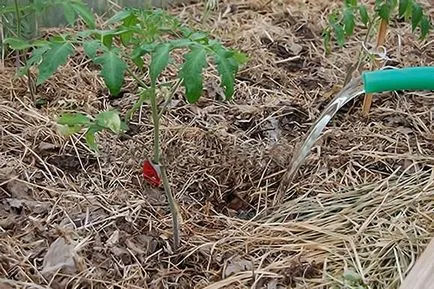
[{"x": 363, "y": 202}]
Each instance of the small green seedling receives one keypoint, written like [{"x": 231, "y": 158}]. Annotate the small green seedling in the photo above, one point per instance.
[
  {"x": 22, "y": 21},
  {"x": 73, "y": 123},
  {"x": 341, "y": 25},
  {"x": 351, "y": 280},
  {"x": 132, "y": 37}
]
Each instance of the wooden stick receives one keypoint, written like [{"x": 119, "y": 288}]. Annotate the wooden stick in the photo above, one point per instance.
[
  {"x": 381, "y": 38},
  {"x": 421, "y": 276}
]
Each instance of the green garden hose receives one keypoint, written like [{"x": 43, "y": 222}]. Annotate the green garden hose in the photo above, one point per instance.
[{"x": 408, "y": 78}]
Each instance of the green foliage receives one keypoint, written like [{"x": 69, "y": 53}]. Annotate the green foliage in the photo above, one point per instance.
[
  {"x": 21, "y": 21},
  {"x": 350, "y": 280},
  {"x": 227, "y": 66},
  {"x": 55, "y": 56},
  {"x": 191, "y": 72},
  {"x": 160, "y": 59},
  {"x": 113, "y": 69},
  {"x": 341, "y": 24},
  {"x": 71, "y": 123},
  {"x": 121, "y": 48}
]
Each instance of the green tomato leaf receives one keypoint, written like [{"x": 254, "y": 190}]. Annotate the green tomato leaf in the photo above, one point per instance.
[
  {"x": 138, "y": 61},
  {"x": 109, "y": 119},
  {"x": 34, "y": 59},
  {"x": 191, "y": 73},
  {"x": 425, "y": 26},
  {"x": 69, "y": 12},
  {"x": 128, "y": 25},
  {"x": 240, "y": 57},
  {"x": 364, "y": 16},
  {"x": 56, "y": 56},
  {"x": 85, "y": 33},
  {"x": 337, "y": 28},
  {"x": 350, "y": 3},
  {"x": 416, "y": 16},
  {"x": 113, "y": 69},
  {"x": 91, "y": 137},
  {"x": 126, "y": 37},
  {"x": 339, "y": 34},
  {"x": 349, "y": 21},
  {"x": 84, "y": 12},
  {"x": 186, "y": 31},
  {"x": 227, "y": 67},
  {"x": 402, "y": 7},
  {"x": 17, "y": 43},
  {"x": 121, "y": 15},
  {"x": 143, "y": 49},
  {"x": 91, "y": 48},
  {"x": 384, "y": 11},
  {"x": 139, "y": 51},
  {"x": 326, "y": 38},
  {"x": 107, "y": 40},
  {"x": 178, "y": 43},
  {"x": 67, "y": 130},
  {"x": 159, "y": 61},
  {"x": 73, "y": 119}
]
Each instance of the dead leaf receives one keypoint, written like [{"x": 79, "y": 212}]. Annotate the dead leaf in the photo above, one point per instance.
[
  {"x": 119, "y": 252},
  {"x": 272, "y": 284},
  {"x": 295, "y": 48},
  {"x": 45, "y": 146},
  {"x": 6, "y": 172},
  {"x": 18, "y": 189},
  {"x": 215, "y": 91},
  {"x": 15, "y": 203},
  {"x": 173, "y": 103},
  {"x": 8, "y": 223},
  {"x": 34, "y": 206},
  {"x": 272, "y": 130},
  {"x": 149, "y": 243},
  {"x": 60, "y": 256},
  {"x": 133, "y": 247},
  {"x": 237, "y": 265},
  {"x": 113, "y": 240}
]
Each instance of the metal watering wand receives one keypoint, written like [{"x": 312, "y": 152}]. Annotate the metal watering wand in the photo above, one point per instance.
[{"x": 408, "y": 78}]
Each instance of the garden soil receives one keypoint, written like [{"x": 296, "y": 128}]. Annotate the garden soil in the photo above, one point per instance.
[{"x": 360, "y": 208}]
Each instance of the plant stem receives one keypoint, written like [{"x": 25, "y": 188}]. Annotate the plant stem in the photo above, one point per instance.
[
  {"x": 156, "y": 115},
  {"x": 173, "y": 208},
  {"x": 156, "y": 122},
  {"x": 142, "y": 97},
  {"x": 136, "y": 78},
  {"x": 356, "y": 66},
  {"x": 2, "y": 36},
  {"x": 169, "y": 98},
  {"x": 156, "y": 159},
  {"x": 18, "y": 16}
]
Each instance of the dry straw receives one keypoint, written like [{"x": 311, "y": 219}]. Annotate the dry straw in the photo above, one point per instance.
[{"x": 363, "y": 201}]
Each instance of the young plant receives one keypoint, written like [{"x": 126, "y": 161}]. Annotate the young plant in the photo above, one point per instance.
[
  {"x": 342, "y": 25},
  {"x": 20, "y": 22},
  {"x": 121, "y": 49}
]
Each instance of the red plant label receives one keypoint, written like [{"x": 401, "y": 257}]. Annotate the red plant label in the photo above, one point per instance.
[{"x": 151, "y": 173}]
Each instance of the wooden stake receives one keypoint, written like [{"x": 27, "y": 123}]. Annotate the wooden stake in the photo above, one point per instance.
[{"x": 381, "y": 38}]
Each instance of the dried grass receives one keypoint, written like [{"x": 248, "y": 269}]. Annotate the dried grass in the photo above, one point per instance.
[{"x": 364, "y": 200}]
